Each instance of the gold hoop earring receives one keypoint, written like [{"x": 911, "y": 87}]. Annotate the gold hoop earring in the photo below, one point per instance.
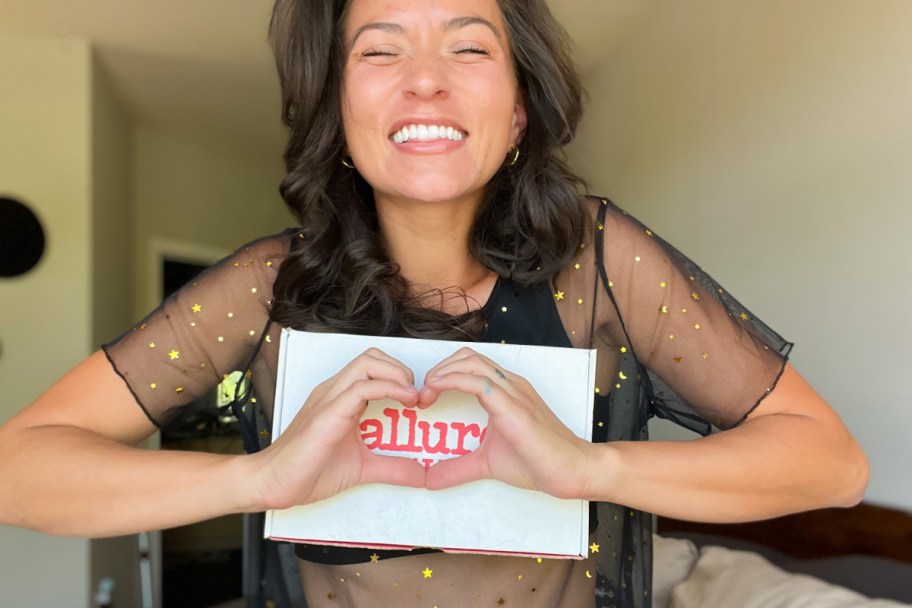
[
  {"x": 514, "y": 150},
  {"x": 347, "y": 162}
]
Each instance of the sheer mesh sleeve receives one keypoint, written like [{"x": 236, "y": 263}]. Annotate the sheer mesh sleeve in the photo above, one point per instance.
[
  {"x": 206, "y": 330},
  {"x": 704, "y": 351}
]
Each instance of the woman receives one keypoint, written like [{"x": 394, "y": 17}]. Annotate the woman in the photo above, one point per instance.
[{"x": 423, "y": 166}]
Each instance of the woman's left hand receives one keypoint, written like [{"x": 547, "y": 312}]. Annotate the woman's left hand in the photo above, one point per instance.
[{"x": 525, "y": 444}]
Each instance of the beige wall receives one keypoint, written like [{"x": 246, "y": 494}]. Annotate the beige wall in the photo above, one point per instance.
[
  {"x": 200, "y": 195},
  {"x": 111, "y": 246},
  {"x": 45, "y": 315},
  {"x": 771, "y": 140}
]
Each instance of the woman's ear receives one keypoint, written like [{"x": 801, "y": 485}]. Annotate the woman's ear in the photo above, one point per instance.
[{"x": 520, "y": 118}]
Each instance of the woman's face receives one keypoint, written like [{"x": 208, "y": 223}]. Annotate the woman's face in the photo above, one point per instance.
[{"x": 430, "y": 103}]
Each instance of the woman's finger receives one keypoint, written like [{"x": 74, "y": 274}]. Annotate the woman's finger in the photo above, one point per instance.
[
  {"x": 459, "y": 355},
  {"x": 492, "y": 396},
  {"x": 394, "y": 470},
  {"x": 371, "y": 365},
  {"x": 457, "y": 471},
  {"x": 351, "y": 401}
]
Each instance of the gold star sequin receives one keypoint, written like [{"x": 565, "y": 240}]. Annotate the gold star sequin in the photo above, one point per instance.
[
  {"x": 663, "y": 284},
  {"x": 237, "y": 264},
  {"x": 678, "y": 359},
  {"x": 252, "y": 332},
  {"x": 254, "y": 290},
  {"x": 706, "y": 355},
  {"x": 597, "y": 390},
  {"x": 503, "y": 309},
  {"x": 623, "y": 349},
  {"x": 503, "y": 341},
  {"x": 221, "y": 338},
  {"x": 684, "y": 311},
  {"x": 427, "y": 572},
  {"x": 744, "y": 316},
  {"x": 193, "y": 324},
  {"x": 695, "y": 296},
  {"x": 153, "y": 386},
  {"x": 617, "y": 385},
  {"x": 264, "y": 434},
  {"x": 151, "y": 344},
  {"x": 174, "y": 355},
  {"x": 269, "y": 264},
  {"x": 579, "y": 301},
  {"x": 519, "y": 577},
  {"x": 538, "y": 560},
  {"x": 648, "y": 232},
  {"x": 330, "y": 596},
  {"x": 637, "y": 258},
  {"x": 601, "y": 227},
  {"x": 374, "y": 558},
  {"x": 559, "y": 296},
  {"x": 197, "y": 308},
  {"x": 697, "y": 327},
  {"x": 663, "y": 310},
  {"x": 601, "y": 424},
  {"x": 230, "y": 315},
  {"x": 671, "y": 336},
  {"x": 594, "y": 547},
  {"x": 576, "y": 266}
]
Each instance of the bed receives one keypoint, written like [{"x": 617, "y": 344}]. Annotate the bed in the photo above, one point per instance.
[{"x": 832, "y": 558}]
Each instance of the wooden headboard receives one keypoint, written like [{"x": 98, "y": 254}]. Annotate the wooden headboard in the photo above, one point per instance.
[{"x": 865, "y": 529}]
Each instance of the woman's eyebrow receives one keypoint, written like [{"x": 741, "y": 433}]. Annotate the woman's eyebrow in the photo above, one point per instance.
[
  {"x": 455, "y": 23},
  {"x": 383, "y": 26},
  {"x": 461, "y": 22}
]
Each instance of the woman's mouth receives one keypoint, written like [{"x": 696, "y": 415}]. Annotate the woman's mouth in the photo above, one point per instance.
[{"x": 426, "y": 133}]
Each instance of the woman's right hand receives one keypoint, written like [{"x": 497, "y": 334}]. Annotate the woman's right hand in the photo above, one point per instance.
[{"x": 321, "y": 453}]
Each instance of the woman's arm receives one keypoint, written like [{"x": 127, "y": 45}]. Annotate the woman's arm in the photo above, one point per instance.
[
  {"x": 68, "y": 465},
  {"x": 791, "y": 454}
]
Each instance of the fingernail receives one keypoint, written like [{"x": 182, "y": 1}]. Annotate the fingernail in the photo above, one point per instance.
[{"x": 410, "y": 388}]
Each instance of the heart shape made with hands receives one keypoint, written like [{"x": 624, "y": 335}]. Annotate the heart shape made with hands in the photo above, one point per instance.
[{"x": 445, "y": 425}]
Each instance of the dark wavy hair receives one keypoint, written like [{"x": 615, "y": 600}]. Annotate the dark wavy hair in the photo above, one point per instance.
[{"x": 338, "y": 276}]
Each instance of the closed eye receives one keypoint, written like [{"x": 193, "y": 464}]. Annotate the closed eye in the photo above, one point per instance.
[
  {"x": 473, "y": 50},
  {"x": 376, "y": 53}
]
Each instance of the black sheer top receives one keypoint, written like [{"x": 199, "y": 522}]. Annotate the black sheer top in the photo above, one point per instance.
[{"x": 671, "y": 342}]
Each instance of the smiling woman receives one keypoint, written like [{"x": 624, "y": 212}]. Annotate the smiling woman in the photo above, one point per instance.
[{"x": 424, "y": 165}]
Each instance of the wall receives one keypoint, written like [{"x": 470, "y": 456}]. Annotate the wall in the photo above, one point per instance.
[
  {"x": 111, "y": 248},
  {"x": 207, "y": 197},
  {"x": 771, "y": 141},
  {"x": 45, "y": 315}
]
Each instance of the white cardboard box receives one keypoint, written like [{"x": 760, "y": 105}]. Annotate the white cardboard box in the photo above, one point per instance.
[{"x": 483, "y": 516}]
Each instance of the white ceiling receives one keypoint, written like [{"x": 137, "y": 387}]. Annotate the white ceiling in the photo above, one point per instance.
[{"x": 203, "y": 67}]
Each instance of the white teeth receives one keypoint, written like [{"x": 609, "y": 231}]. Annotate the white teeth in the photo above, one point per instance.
[{"x": 426, "y": 133}]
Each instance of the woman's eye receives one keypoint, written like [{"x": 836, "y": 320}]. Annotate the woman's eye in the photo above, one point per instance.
[
  {"x": 473, "y": 50},
  {"x": 377, "y": 53}
]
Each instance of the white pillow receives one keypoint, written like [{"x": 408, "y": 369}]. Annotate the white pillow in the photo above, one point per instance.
[
  {"x": 723, "y": 578},
  {"x": 672, "y": 561}
]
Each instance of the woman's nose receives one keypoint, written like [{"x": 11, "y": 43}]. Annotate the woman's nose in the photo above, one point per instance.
[{"x": 425, "y": 78}]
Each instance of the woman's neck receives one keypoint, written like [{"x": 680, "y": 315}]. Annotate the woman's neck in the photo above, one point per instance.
[{"x": 429, "y": 242}]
